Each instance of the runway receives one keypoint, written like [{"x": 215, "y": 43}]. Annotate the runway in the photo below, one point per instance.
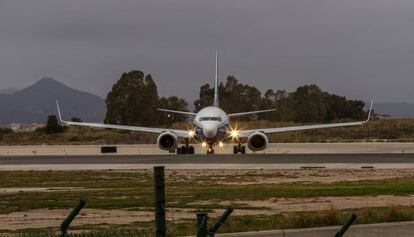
[
  {"x": 214, "y": 159},
  {"x": 152, "y": 149}
]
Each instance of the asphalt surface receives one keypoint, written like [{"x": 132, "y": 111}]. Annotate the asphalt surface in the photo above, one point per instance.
[{"x": 215, "y": 159}]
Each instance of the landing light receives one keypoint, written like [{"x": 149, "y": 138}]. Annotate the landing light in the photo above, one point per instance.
[
  {"x": 191, "y": 133},
  {"x": 234, "y": 133},
  {"x": 204, "y": 144},
  {"x": 221, "y": 144}
]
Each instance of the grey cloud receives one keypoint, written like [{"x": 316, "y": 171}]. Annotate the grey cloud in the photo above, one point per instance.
[{"x": 358, "y": 48}]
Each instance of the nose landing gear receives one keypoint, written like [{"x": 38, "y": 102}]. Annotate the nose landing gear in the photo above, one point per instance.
[{"x": 210, "y": 151}]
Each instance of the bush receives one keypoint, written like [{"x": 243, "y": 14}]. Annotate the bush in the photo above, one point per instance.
[
  {"x": 5, "y": 131},
  {"x": 76, "y": 119},
  {"x": 53, "y": 126}
]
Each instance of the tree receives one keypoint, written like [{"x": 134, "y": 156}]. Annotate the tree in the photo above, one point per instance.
[
  {"x": 310, "y": 104},
  {"x": 76, "y": 119},
  {"x": 4, "y": 131},
  {"x": 282, "y": 102},
  {"x": 172, "y": 103},
  {"x": 52, "y": 125},
  {"x": 238, "y": 97},
  {"x": 234, "y": 97},
  {"x": 133, "y": 100},
  {"x": 205, "y": 98},
  {"x": 339, "y": 107}
]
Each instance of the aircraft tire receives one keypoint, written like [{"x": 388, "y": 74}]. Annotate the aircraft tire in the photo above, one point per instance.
[
  {"x": 243, "y": 150},
  {"x": 235, "y": 150},
  {"x": 184, "y": 150},
  {"x": 179, "y": 151},
  {"x": 191, "y": 150}
]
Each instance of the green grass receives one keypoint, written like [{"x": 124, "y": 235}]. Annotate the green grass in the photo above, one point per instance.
[{"x": 132, "y": 190}]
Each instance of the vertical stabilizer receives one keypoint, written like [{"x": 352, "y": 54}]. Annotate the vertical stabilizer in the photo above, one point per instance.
[{"x": 216, "y": 85}]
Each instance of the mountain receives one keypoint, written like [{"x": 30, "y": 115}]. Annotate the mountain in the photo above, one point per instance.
[
  {"x": 8, "y": 91},
  {"x": 36, "y": 102},
  {"x": 396, "y": 110}
]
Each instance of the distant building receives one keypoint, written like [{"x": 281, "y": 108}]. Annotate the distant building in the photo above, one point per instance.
[
  {"x": 18, "y": 127},
  {"x": 382, "y": 116}
]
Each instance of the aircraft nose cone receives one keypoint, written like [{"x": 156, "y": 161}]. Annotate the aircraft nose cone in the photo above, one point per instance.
[{"x": 209, "y": 131}]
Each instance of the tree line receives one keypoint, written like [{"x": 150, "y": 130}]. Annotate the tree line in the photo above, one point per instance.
[
  {"x": 306, "y": 104},
  {"x": 134, "y": 99}
]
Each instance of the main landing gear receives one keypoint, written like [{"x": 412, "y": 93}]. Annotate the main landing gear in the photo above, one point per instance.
[
  {"x": 186, "y": 149},
  {"x": 239, "y": 149}
]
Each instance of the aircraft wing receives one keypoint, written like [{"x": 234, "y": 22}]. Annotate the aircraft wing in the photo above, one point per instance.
[
  {"x": 177, "y": 132},
  {"x": 246, "y": 133}
]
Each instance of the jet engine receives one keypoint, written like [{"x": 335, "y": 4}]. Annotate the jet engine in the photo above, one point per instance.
[
  {"x": 167, "y": 141},
  {"x": 257, "y": 141}
]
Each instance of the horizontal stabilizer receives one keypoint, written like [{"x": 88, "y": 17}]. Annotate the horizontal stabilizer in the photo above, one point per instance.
[
  {"x": 251, "y": 112},
  {"x": 177, "y": 112}
]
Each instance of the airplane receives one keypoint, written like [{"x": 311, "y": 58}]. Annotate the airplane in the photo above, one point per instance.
[{"x": 211, "y": 127}]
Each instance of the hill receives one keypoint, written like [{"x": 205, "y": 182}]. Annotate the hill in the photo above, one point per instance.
[
  {"x": 36, "y": 102},
  {"x": 8, "y": 91},
  {"x": 396, "y": 110}
]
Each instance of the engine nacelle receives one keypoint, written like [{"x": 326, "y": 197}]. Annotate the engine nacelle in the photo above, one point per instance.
[
  {"x": 257, "y": 141},
  {"x": 167, "y": 141}
]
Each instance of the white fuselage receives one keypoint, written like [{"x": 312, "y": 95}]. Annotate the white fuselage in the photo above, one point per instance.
[{"x": 211, "y": 125}]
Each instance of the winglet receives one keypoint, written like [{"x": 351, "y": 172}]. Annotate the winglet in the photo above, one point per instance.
[
  {"x": 59, "y": 113},
  {"x": 370, "y": 111}
]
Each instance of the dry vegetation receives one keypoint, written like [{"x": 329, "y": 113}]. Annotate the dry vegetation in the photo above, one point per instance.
[{"x": 379, "y": 130}]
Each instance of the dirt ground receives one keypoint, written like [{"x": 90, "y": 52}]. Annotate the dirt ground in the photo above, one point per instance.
[
  {"x": 53, "y": 218},
  {"x": 248, "y": 177},
  {"x": 38, "y": 219}
]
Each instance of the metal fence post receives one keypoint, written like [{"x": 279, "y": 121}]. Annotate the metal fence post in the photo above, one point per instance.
[
  {"x": 202, "y": 219},
  {"x": 348, "y": 224},
  {"x": 213, "y": 230},
  {"x": 159, "y": 186},
  {"x": 66, "y": 223}
]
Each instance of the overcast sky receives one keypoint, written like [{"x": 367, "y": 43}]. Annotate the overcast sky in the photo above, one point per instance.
[{"x": 359, "y": 48}]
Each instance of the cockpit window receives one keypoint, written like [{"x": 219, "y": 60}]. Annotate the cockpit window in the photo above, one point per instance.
[{"x": 210, "y": 119}]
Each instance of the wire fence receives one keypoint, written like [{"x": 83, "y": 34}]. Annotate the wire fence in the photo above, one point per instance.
[{"x": 122, "y": 233}]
